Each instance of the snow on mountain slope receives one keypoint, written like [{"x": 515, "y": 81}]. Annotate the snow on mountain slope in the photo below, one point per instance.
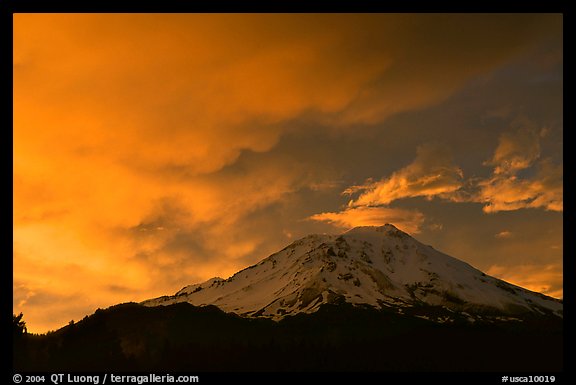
[{"x": 381, "y": 267}]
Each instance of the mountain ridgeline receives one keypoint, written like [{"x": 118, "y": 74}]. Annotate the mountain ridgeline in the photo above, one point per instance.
[
  {"x": 370, "y": 299},
  {"x": 380, "y": 267}
]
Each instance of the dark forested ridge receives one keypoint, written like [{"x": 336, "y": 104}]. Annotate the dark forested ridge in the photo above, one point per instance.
[{"x": 336, "y": 338}]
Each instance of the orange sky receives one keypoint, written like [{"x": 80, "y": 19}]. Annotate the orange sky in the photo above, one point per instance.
[{"x": 155, "y": 151}]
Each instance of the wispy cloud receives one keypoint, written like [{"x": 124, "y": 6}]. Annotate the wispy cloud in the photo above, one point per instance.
[
  {"x": 507, "y": 192},
  {"x": 430, "y": 174},
  {"x": 520, "y": 178},
  {"x": 407, "y": 220},
  {"x": 503, "y": 234},
  {"x": 519, "y": 150}
]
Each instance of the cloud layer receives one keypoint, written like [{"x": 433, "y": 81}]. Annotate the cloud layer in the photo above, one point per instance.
[{"x": 137, "y": 138}]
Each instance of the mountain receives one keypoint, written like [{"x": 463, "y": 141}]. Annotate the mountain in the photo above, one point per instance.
[
  {"x": 370, "y": 300},
  {"x": 379, "y": 267}
]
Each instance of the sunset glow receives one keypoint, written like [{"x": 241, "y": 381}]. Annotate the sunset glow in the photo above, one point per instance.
[{"x": 153, "y": 151}]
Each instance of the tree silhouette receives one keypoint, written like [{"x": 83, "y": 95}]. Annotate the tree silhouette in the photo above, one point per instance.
[
  {"x": 18, "y": 325},
  {"x": 20, "y": 341}
]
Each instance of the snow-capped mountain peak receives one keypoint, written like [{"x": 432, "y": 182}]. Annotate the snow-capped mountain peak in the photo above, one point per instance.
[{"x": 381, "y": 267}]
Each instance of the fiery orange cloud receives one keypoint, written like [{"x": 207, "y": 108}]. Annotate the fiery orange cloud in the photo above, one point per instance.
[
  {"x": 519, "y": 150},
  {"x": 516, "y": 149},
  {"x": 127, "y": 129},
  {"x": 505, "y": 190},
  {"x": 406, "y": 220},
  {"x": 513, "y": 193},
  {"x": 430, "y": 174},
  {"x": 545, "y": 279},
  {"x": 141, "y": 247},
  {"x": 504, "y": 234}
]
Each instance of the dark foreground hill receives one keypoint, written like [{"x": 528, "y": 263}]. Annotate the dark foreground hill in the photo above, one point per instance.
[{"x": 337, "y": 337}]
